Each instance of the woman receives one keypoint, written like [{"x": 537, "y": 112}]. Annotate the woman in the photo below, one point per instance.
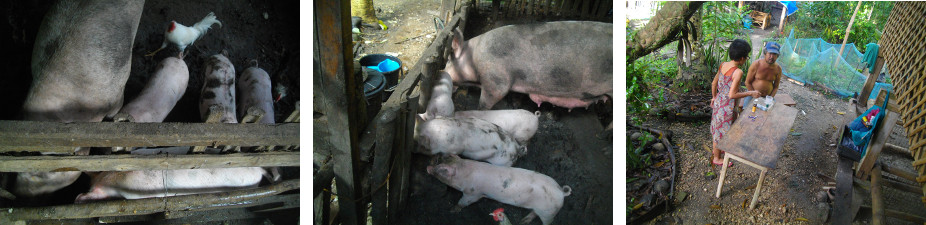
[{"x": 727, "y": 84}]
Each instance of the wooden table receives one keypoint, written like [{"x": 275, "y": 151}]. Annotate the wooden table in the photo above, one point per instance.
[{"x": 757, "y": 142}]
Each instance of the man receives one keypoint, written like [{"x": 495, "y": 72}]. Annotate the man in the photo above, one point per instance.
[{"x": 764, "y": 74}]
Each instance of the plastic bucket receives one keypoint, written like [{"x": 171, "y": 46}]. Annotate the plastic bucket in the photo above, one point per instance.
[
  {"x": 390, "y": 69},
  {"x": 373, "y": 90}
]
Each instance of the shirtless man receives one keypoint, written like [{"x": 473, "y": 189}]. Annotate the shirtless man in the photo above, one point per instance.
[{"x": 764, "y": 74}]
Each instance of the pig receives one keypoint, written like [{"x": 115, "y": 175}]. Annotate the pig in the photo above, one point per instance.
[
  {"x": 569, "y": 61},
  {"x": 441, "y": 102},
  {"x": 80, "y": 63},
  {"x": 162, "y": 183},
  {"x": 160, "y": 95},
  {"x": 509, "y": 185},
  {"x": 254, "y": 90},
  {"x": 521, "y": 124},
  {"x": 473, "y": 138},
  {"x": 219, "y": 88}
]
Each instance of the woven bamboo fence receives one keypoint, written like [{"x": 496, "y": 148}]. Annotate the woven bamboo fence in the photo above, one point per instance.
[{"x": 904, "y": 49}]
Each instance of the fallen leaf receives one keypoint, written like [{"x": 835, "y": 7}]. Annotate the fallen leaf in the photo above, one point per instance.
[
  {"x": 638, "y": 206},
  {"x": 841, "y": 113},
  {"x": 715, "y": 207},
  {"x": 802, "y": 219},
  {"x": 750, "y": 187},
  {"x": 796, "y": 133},
  {"x": 744, "y": 202}
]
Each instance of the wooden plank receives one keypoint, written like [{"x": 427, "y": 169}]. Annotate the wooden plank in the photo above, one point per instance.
[
  {"x": 85, "y": 134},
  {"x": 385, "y": 136},
  {"x": 866, "y": 90},
  {"x": 891, "y": 105},
  {"x": 842, "y": 212},
  {"x": 876, "y": 144},
  {"x": 145, "y": 206},
  {"x": 144, "y": 162},
  {"x": 900, "y": 215},
  {"x": 338, "y": 98},
  {"x": 785, "y": 99},
  {"x": 900, "y": 173},
  {"x": 245, "y": 210},
  {"x": 760, "y": 140}
]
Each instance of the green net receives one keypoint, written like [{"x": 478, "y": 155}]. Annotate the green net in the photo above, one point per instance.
[{"x": 814, "y": 61}]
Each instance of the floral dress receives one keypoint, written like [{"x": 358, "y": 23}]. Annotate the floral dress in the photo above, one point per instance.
[{"x": 722, "y": 115}]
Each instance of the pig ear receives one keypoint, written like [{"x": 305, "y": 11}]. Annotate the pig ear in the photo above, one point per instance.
[
  {"x": 420, "y": 117},
  {"x": 457, "y": 42},
  {"x": 444, "y": 171}
]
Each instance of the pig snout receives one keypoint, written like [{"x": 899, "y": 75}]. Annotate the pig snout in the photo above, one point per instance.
[
  {"x": 219, "y": 88},
  {"x": 160, "y": 95},
  {"x": 254, "y": 90}
]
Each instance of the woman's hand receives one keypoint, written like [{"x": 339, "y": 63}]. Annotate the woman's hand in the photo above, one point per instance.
[
  {"x": 755, "y": 94},
  {"x": 712, "y": 102}
]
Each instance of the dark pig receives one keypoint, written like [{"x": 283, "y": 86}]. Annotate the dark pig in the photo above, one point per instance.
[
  {"x": 473, "y": 138},
  {"x": 521, "y": 124},
  {"x": 161, "y": 93},
  {"x": 509, "y": 185},
  {"x": 441, "y": 103},
  {"x": 81, "y": 61},
  {"x": 161, "y": 183},
  {"x": 254, "y": 90},
  {"x": 219, "y": 88},
  {"x": 568, "y": 61}
]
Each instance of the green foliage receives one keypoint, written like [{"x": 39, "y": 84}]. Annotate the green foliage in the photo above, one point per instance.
[
  {"x": 828, "y": 20},
  {"x": 634, "y": 158},
  {"x": 721, "y": 20},
  {"x": 644, "y": 77}
]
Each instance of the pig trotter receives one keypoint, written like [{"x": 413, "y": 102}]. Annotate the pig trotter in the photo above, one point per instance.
[
  {"x": 567, "y": 190},
  {"x": 456, "y": 209},
  {"x": 530, "y": 217}
]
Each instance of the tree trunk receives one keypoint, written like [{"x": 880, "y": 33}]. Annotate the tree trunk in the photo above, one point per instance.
[
  {"x": 662, "y": 29},
  {"x": 363, "y": 9}
]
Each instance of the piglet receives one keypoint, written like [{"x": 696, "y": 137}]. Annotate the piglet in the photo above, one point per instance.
[
  {"x": 509, "y": 185},
  {"x": 521, "y": 124},
  {"x": 161, "y": 183},
  {"x": 441, "y": 103},
  {"x": 219, "y": 88},
  {"x": 473, "y": 138},
  {"x": 164, "y": 89},
  {"x": 254, "y": 90}
]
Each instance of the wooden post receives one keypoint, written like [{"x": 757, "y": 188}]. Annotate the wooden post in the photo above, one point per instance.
[
  {"x": 848, "y": 29},
  {"x": 337, "y": 94},
  {"x": 784, "y": 14},
  {"x": 877, "y": 202},
  {"x": 144, "y": 162}
]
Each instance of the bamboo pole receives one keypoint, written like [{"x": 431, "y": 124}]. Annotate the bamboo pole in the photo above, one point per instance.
[{"x": 848, "y": 29}]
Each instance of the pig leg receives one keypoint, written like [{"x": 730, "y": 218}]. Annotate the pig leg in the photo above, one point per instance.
[{"x": 466, "y": 200}]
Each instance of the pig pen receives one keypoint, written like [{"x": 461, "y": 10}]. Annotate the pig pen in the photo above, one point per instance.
[
  {"x": 265, "y": 31},
  {"x": 572, "y": 147}
]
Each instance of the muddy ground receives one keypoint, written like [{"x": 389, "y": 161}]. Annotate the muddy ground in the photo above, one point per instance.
[
  {"x": 788, "y": 192},
  {"x": 566, "y": 147},
  {"x": 267, "y": 31}
]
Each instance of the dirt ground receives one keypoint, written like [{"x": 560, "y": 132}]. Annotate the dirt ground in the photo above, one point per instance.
[
  {"x": 788, "y": 193},
  {"x": 566, "y": 147},
  {"x": 267, "y": 31}
]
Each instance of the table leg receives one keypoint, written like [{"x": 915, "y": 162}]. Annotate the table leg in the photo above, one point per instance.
[
  {"x": 758, "y": 189},
  {"x": 723, "y": 173}
]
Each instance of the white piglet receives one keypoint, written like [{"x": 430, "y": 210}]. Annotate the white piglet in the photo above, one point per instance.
[
  {"x": 161, "y": 183},
  {"x": 509, "y": 185},
  {"x": 254, "y": 90},
  {"x": 164, "y": 89},
  {"x": 521, "y": 124},
  {"x": 441, "y": 102},
  {"x": 472, "y": 138},
  {"x": 219, "y": 88}
]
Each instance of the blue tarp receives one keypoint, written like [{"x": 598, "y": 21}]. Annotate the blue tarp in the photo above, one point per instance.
[{"x": 792, "y": 6}]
